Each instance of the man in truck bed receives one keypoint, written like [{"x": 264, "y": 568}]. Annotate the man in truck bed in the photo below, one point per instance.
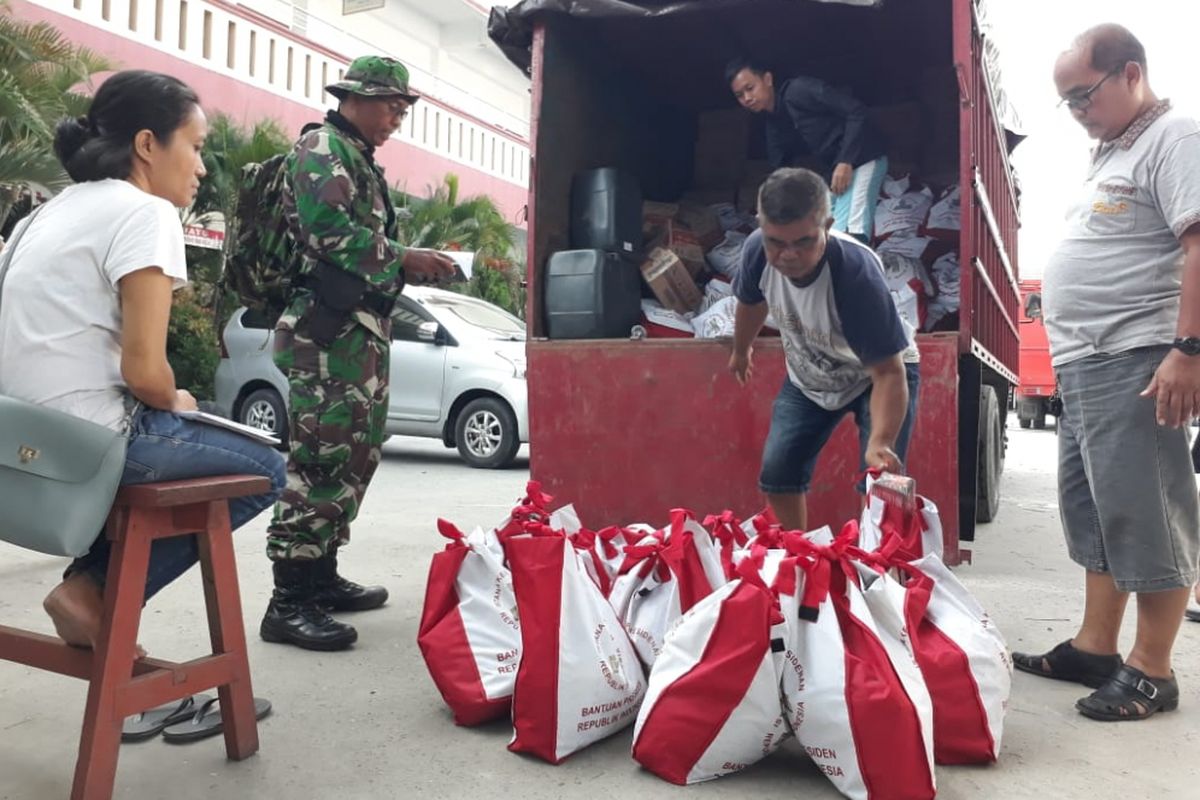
[
  {"x": 847, "y": 349},
  {"x": 808, "y": 117}
]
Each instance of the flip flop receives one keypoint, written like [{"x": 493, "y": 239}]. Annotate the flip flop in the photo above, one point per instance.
[
  {"x": 206, "y": 721},
  {"x": 149, "y": 724},
  {"x": 1193, "y": 612}
]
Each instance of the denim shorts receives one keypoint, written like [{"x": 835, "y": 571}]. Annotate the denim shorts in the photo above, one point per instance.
[
  {"x": 800, "y": 428},
  {"x": 1126, "y": 485}
]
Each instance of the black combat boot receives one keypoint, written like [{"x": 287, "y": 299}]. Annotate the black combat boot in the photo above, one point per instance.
[
  {"x": 294, "y": 617},
  {"x": 335, "y": 593}
]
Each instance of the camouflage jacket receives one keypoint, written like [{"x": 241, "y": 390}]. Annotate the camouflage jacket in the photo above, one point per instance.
[{"x": 338, "y": 207}]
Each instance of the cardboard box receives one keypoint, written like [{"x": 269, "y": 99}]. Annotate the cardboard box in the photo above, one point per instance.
[
  {"x": 722, "y": 140},
  {"x": 656, "y": 215},
  {"x": 663, "y": 323},
  {"x": 683, "y": 243},
  {"x": 659, "y": 213},
  {"x": 703, "y": 222},
  {"x": 903, "y": 126},
  {"x": 709, "y": 197},
  {"x": 747, "y": 192},
  {"x": 670, "y": 281}
]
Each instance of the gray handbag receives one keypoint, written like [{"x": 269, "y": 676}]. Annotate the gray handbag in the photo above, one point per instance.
[{"x": 58, "y": 473}]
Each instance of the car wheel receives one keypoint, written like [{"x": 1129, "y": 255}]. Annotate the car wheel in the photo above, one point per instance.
[
  {"x": 264, "y": 409},
  {"x": 486, "y": 434}
]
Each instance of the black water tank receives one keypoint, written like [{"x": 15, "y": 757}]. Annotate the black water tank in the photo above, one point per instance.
[
  {"x": 592, "y": 294},
  {"x": 606, "y": 212}
]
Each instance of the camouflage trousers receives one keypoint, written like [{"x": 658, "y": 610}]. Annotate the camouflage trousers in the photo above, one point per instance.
[{"x": 337, "y": 411}]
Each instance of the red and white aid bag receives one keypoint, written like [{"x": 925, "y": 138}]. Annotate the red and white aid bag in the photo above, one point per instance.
[
  {"x": 579, "y": 679},
  {"x": 857, "y": 703},
  {"x": 663, "y": 576},
  {"x": 644, "y": 597},
  {"x": 712, "y": 706},
  {"x": 730, "y": 536},
  {"x": 895, "y": 509},
  {"x": 605, "y": 550},
  {"x": 470, "y": 633},
  {"x": 965, "y": 661}
]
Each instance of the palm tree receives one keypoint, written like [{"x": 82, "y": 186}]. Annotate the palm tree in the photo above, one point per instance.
[
  {"x": 227, "y": 150},
  {"x": 39, "y": 74},
  {"x": 443, "y": 221}
]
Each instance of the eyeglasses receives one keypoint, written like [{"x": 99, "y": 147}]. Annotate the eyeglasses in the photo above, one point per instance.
[
  {"x": 397, "y": 108},
  {"x": 1083, "y": 100}
]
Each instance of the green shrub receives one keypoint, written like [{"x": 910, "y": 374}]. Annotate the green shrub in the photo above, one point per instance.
[{"x": 192, "y": 346}]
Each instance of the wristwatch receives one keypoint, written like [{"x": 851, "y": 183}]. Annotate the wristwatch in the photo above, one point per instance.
[{"x": 1188, "y": 345}]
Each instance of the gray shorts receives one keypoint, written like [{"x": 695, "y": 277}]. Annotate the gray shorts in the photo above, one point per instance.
[{"x": 1126, "y": 487}]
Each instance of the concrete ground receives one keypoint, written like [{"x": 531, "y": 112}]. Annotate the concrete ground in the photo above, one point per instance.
[{"x": 368, "y": 723}]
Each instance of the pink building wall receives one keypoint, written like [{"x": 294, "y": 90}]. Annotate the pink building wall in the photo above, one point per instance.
[{"x": 410, "y": 167}]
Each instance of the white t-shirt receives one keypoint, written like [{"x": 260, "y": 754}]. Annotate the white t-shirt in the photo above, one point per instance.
[{"x": 60, "y": 310}]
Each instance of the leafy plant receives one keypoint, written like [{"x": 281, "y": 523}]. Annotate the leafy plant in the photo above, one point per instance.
[
  {"x": 192, "y": 344},
  {"x": 444, "y": 221},
  {"x": 40, "y": 71}
]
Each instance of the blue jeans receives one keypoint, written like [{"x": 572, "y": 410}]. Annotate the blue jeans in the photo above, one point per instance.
[
  {"x": 800, "y": 428},
  {"x": 165, "y": 447}
]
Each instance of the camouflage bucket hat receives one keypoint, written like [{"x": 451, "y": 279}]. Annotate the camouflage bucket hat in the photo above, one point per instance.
[{"x": 374, "y": 76}]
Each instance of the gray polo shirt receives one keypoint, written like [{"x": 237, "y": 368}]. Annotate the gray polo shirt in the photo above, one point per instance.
[{"x": 1113, "y": 283}]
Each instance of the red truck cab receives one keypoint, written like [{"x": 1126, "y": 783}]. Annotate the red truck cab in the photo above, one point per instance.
[{"x": 1037, "y": 393}]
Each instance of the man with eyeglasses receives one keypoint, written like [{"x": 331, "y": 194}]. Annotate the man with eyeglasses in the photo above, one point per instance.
[
  {"x": 847, "y": 349},
  {"x": 332, "y": 343},
  {"x": 1121, "y": 303}
]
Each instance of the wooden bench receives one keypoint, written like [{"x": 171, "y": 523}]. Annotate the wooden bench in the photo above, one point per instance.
[{"x": 119, "y": 685}]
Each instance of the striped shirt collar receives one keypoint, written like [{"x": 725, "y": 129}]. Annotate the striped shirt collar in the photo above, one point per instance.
[{"x": 1135, "y": 130}]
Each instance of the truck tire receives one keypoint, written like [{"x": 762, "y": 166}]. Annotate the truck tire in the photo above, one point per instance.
[
  {"x": 1026, "y": 423},
  {"x": 991, "y": 456}
]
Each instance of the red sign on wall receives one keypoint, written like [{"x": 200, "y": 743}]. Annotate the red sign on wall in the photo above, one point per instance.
[{"x": 207, "y": 238}]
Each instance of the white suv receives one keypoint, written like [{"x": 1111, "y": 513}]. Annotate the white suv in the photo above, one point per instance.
[{"x": 457, "y": 374}]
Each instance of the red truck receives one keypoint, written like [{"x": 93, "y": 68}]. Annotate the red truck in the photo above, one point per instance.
[
  {"x": 1037, "y": 394},
  {"x": 627, "y": 429}
]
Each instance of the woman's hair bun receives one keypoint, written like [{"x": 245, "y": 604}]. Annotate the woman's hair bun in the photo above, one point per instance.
[{"x": 70, "y": 136}]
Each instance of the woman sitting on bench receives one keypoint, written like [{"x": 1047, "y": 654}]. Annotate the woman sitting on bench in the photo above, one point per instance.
[{"x": 87, "y": 302}]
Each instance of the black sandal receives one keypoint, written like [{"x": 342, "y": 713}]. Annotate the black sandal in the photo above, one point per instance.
[
  {"x": 1066, "y": 663},
  {"x": 1130, "y": 695}
]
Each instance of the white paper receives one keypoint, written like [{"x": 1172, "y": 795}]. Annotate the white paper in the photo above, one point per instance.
[{"x": 256, "y": 434}]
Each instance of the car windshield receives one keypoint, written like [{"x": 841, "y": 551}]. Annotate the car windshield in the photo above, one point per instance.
[{"x": 478, "y": 314}]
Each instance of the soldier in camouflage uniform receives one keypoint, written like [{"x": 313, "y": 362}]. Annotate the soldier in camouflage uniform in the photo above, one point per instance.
[{"x": 332, "y": 343}]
